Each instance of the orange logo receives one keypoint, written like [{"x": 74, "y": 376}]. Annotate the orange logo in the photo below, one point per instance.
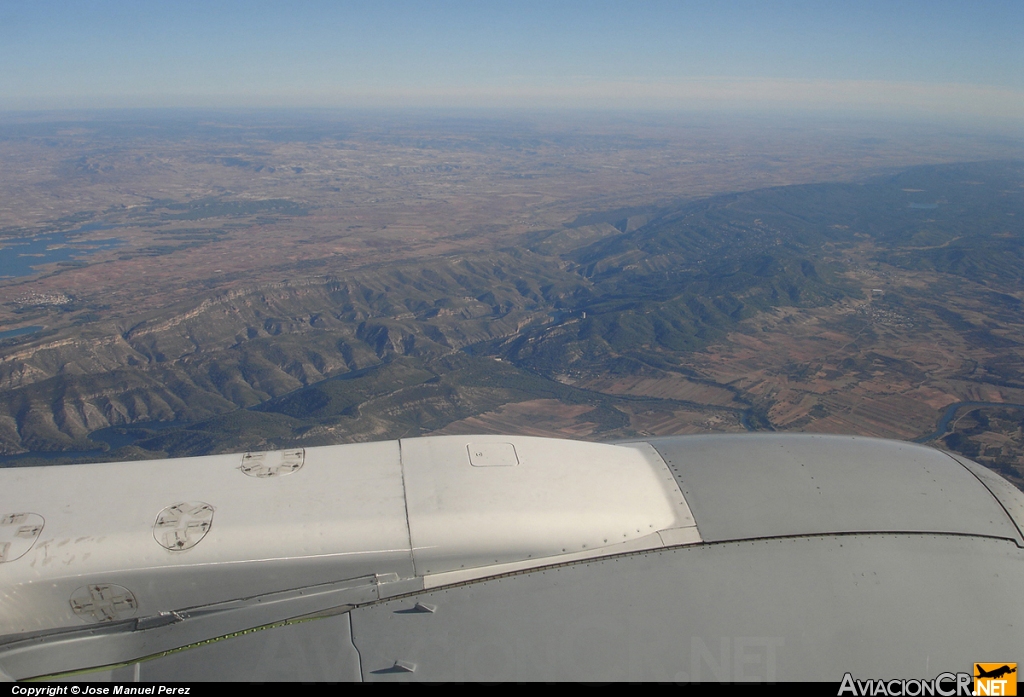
[{"x": 995, "y": 679}]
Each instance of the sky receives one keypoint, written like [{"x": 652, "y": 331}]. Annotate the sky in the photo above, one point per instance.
[{"x": 948, "y": 59}]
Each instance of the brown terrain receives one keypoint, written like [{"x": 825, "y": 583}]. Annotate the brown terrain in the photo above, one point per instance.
[
  {"x": 220, "y": 218},
  {"x": 387, "y": 192}
]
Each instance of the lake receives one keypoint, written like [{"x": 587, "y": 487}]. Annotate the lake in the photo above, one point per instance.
[
  {"x": 20, "y": 331},
  {"x": 19, "y": 257}
]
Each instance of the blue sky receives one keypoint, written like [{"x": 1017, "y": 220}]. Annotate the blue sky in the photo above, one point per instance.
[{"x": 944, "y": 58}]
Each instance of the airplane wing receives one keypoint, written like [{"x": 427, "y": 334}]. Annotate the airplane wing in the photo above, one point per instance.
[{"x": 751, "y": 557}]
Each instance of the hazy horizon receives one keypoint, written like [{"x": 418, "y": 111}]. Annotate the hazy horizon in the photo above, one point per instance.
[{"x": 908, "y": 60}]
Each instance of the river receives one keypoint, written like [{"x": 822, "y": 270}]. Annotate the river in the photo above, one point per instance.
[{"x": 952, "y": 409}]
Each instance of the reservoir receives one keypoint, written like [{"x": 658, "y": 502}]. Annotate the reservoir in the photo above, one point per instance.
[
  {"x": 20, "y": 256},
  {"x": 20, "y": 331},
  {"x": 113, "y": 436}
]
